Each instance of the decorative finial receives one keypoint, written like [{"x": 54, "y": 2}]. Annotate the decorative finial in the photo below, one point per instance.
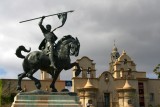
[
  {"x": 127, "y": 85},
  {"x": 89, "y": 84},
  {"x": 124, "y": 52},
  {"x": 114, "y": 48}
]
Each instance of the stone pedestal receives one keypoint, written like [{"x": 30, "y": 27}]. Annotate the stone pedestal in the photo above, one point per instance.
[{"x": 39, "y": 98}]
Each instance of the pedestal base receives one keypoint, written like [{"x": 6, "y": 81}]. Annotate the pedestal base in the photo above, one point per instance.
[{"x": 39, "y": 98}]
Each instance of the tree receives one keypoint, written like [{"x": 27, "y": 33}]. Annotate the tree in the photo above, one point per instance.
[{"x": 156, "y": 70}]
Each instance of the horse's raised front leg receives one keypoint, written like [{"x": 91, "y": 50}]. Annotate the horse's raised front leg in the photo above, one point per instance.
[{"x": 78, "y": 71}]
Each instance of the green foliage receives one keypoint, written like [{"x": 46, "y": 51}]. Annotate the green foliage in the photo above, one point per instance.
[
  {"x": 156, "y": 70},
  {"x": 7, "y": 99}
]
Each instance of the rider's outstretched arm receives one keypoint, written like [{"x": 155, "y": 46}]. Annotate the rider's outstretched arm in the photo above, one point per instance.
[{"x": 40, "y": 24}]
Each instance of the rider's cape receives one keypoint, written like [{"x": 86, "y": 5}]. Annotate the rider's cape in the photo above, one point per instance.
[{"x": 42, "y": 44}]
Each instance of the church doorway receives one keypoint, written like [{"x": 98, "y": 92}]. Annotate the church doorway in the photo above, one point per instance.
[{"x": 106, "y": 99}]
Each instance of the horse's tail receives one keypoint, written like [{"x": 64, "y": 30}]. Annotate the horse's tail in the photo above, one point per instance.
[{"x": 19, "y": 49}]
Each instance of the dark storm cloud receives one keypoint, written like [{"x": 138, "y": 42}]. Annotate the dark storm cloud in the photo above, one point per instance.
[
  {"x": 134, "y": 24},
  {"x": 137, "y": 27}
]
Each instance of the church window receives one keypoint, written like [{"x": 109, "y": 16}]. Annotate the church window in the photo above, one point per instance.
[{"x": 151, "y": 96}]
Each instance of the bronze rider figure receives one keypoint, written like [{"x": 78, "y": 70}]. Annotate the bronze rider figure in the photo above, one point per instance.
[{"x": 47, "y": 45}]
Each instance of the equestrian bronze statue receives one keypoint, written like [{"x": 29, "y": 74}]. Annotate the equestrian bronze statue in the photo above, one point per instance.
[{"x": 52, "y": 58}]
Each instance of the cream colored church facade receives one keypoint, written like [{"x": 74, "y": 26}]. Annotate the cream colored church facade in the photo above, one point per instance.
[{"x": 121, "y": 86}]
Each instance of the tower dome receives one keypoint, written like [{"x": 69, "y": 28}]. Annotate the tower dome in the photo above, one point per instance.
[
  {"x": 114, "y": 49},
  {"x": 114, "y": 54}
]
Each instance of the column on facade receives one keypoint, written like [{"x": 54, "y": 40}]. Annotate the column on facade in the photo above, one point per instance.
[
  {"x": 88, "y": 94},
  {"x": 44, "y": 75},
  {"x": 126, "y": 95}
]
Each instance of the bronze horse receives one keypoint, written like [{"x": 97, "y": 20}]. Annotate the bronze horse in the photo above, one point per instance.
[{"x": 39, "y": 60}]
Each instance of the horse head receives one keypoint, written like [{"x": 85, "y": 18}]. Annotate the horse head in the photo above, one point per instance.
[
  {"x": 74, "y": 47},
  {"x": 68, "y": 46}
]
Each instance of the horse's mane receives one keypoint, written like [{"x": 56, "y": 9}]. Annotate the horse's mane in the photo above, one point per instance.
[{"x": 64, "y": 38}]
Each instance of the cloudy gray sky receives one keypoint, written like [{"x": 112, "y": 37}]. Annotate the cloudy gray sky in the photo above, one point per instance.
[{"x": 134, "y": 24}]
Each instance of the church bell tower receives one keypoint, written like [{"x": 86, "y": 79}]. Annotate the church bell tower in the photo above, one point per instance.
[{"x": 113, "y": 58}]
